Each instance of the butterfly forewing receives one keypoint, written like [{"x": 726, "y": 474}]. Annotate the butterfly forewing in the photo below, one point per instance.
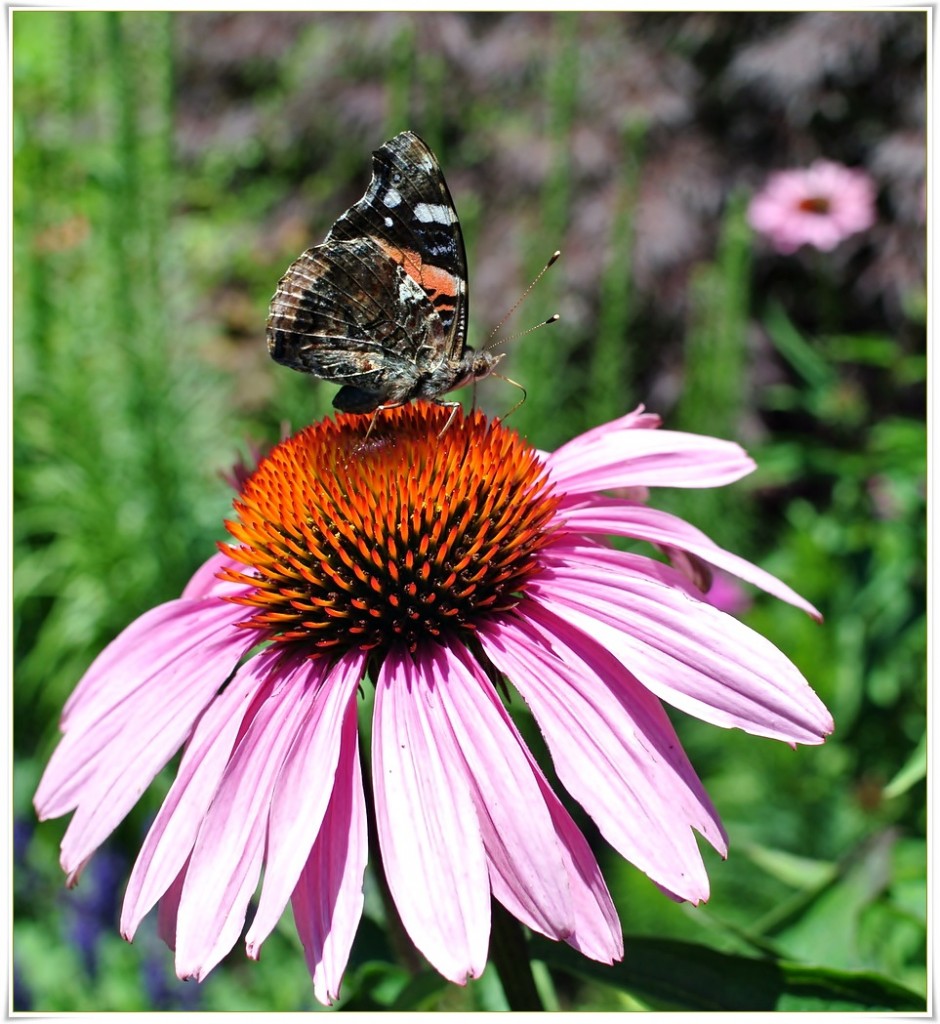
[{"x": 409, "y": 212}]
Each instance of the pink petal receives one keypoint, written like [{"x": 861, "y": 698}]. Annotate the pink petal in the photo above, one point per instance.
[
  {"x": 108, "y": 757},
  {"x": 610, "y": 516},
  {"x": 639, "y": 419},
  {"x": 327, "y": 901},
  {"x": 506, "y": 812},
  {"x": 597, "y": 932},
  {"x": 171, "y": 837},
  {"x": 302, "y": 792},
  {"x": 518, "y": 832},
  {"x": 169, "y": 908},
  {"x": 689, "y": 654},
  {"x": 649, "y": 458},
  {"x": 205, "y": 582},
  {"x": 427, "y": 824},
  {"x": 226, "y": 859},
  {"x": 613, "y": 747},
  {"x": 163, "y": 640}
]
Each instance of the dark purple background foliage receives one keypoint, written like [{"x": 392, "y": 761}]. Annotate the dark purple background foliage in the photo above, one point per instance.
[{"x": 702, "y": 103}]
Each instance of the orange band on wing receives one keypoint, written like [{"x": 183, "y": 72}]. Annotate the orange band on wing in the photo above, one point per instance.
[{"x": 440, "y": 286}]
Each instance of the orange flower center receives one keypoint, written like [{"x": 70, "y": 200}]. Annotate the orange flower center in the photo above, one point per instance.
[
  {"x": 356, "y": 541},
  {"x": 815, "y": 204}
]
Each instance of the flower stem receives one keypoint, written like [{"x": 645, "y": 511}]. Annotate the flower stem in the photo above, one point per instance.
[{"x": 510, "y": 957}]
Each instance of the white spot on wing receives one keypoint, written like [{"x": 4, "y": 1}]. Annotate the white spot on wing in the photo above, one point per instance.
[
  {"x": 392, "y": 198},
  {"x": 409, "y": 291},
  {"x": 434, "y": 213},
  {"x": 388, "y": 222}
]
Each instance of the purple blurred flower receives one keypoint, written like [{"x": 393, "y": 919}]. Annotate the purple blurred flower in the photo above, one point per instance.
[
  {"x": 164, "y": 990},
  {"x": 820, "y": 205},
  {"x": 22, "y": 835},
  {"x": 94, "y": 909},
  {"x": 22, "y": 994}
]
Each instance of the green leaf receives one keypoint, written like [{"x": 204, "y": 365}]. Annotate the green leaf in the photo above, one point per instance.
[
  {"x": 913, "y": 771},
  {"x": 799, "y": 353},
  {"x": 826, "y": 927},
  {"x": 798, "y": 872},
  {"x": 688, "y": 976},
  {"x": 421, "y": 992}
]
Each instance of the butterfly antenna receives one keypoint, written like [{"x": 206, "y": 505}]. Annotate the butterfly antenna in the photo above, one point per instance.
[
  {"x": 514, "y": 337},
  {"x": 518, "y": 303}
]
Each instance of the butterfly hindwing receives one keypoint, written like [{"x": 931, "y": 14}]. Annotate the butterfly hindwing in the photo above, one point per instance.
[{"x": 347, "y": 313}]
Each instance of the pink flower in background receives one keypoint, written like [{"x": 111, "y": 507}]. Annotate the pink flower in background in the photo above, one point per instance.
[
  {"x": 432, "y": 564},
  {"x": 819, "y": 205},
  {"x": 728, "y": 595}
]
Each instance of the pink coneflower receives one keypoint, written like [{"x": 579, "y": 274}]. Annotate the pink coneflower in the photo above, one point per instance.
[
  {"x": 438, "y": 566},
  {"x": 819, "y": 205}
]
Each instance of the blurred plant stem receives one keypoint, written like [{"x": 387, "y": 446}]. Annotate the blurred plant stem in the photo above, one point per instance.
[
  {"x": 713, "y": 398},
  {"x": 510, "y": 956},
  {"x": 540, "y": 356},
  {"x": 401, "y": 78},
  {"x": 715, "y": 348},
  {"x": 612, "y": 370}
]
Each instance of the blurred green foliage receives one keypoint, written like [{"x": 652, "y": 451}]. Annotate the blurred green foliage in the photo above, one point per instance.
[{"x": 138, "y": 270}]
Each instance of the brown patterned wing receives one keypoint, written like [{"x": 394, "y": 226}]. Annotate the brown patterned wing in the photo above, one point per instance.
[
  {"x": 408, "y": 211},
  {"x": 347, "y": 313}
]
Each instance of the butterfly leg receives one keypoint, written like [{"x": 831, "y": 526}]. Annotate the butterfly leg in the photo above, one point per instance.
[
  {"x": 453, "y": 406},
  {"x": 515, "y": 384},
  {"x": 375, "y": 415}
]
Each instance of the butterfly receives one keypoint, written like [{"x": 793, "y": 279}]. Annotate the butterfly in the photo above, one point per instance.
[{"x": 380, "y": 307}]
